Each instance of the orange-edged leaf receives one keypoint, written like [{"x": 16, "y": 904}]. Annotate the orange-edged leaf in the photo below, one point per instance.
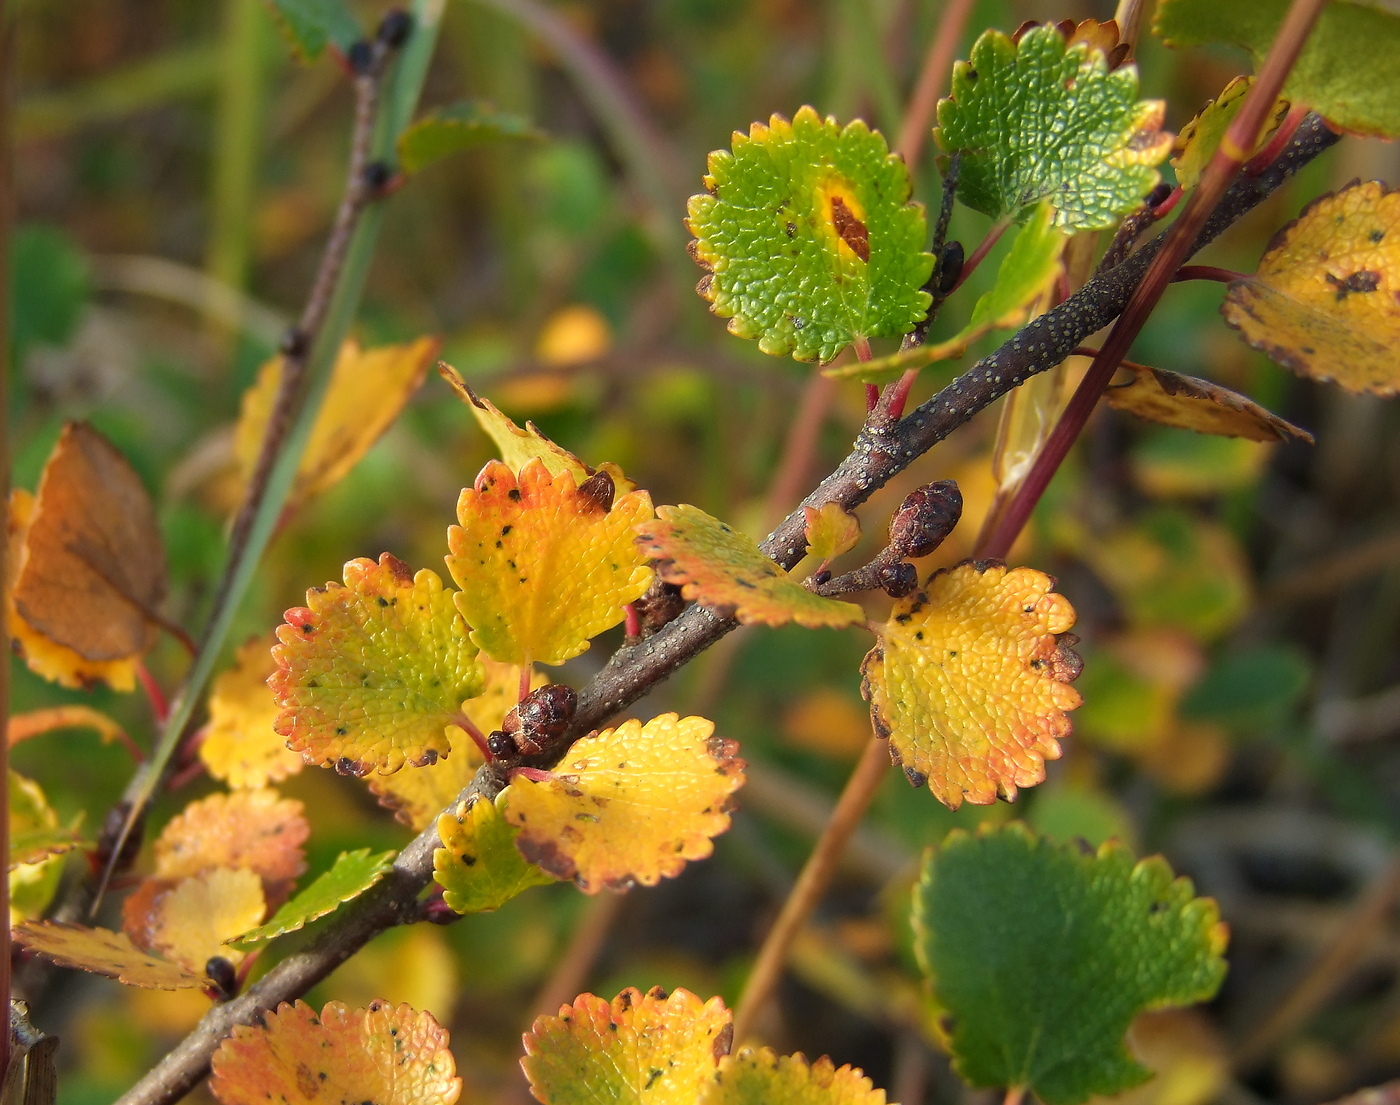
[
  {"x": 1201, "y": 137},
  {"x": 830, "y": 531},
  {"x": 257, "y": 830},
  {"x": 370, "y": 675},
  {"x": 656, "y": 1047},
  {"x": 192, "y": 920},
  {"x": 242, "y": 746},
  {"x": 721, "y": 568},
  {"x": 970, "y": 682},
  {"x": 1189, "y": 403},
  {"x": 544, "y": 563},
  {"x": 629, "y": 805},
  {"x": 1325, "y": 300},
  {"x": 417, "y": 797},
  {"x": 104, "y": 952},
  {"x": 350, "y": 876},
  {"x": 517, "y": 447},
  {"x": 89, "y": 574},
  {"x": 478, "y": 866},
  {"x": 389, "y": 1055},
  {"x": 764, "y": 1078},
  {"x": 368, "y": 390},
  {"x": 33, "y": 723}
]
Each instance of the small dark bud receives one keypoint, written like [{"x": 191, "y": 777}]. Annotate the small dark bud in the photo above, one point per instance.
[
  {"x": 395, "y": 28},
  {"x": 659, "y": 606},
  {"x": 360, "y": 57},
  {"x": 898, "y": 579},
  {"x": 294, "y": 343},
  {"x": 501, "y": 746},
  {"x": 600, "y": 488},
  {"x": 822, "y": 578},
  {"x": 225, "y": 978},
  {"x": 1158, "y": 195},
  {"x": 377, "y": 175},
  {"x": 950, "y": 266},
  {"x": 924, "y": 519}
]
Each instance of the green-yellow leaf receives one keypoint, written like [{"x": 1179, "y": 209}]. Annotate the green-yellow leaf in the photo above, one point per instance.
[
  {"x": 311, "y": 25},
  {"x": 1035, "y": 118},
  {"x": 1030, "y": 267},
  {"x": 350, "y": 876},
  {"x": 1041, "y": 955},
  {"x": 1201, "y": 137},
  {"x": 1347, "y": 72},
  {"x": 764, "y": 1078},
  {"x": 448, "y": 130},
  {"x": 478, "y": 866},
  {"x": 808, "y": 239}
]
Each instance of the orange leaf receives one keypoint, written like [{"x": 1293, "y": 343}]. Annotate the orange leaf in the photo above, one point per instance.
[
  {"x": 253, "y": 829},
  {"x": 628, "y": 805},
  {"x": 242, "y": 746},
  {"x": 1325, "y": 301},
  {"x": 190, "y": 922},
  {"x": 655, "y": 1047},
  {"x": 104, "y": 952},
  {"x": 762, "y": 1076},
  {"x": 32, "y": 723},
  {"x": 383, "y": 1054},
  {"x": 368, "y": 390},
  {"x": 371, "y": 674},
  {"x": 89, "y": 570},
  {"x": 544, "y": 564},
  {"x": 719, "y": 567},
  {"x": 418, "y": 796},
  {"x": 1189, "y": 403},
  {"x": 970, "y": 683}
]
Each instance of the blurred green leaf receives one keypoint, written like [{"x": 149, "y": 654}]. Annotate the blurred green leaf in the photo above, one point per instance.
[
  {"x": 1250, "y": 689},
  {"x": 49, "y": 287},
  {"x": 310, "y": 25},
  {"x": 461, "y": 126},
  {"x": 1349, "y": 68},
  {"x": 1037, "y": 119},
  {"x": 1042, "y": 955}
]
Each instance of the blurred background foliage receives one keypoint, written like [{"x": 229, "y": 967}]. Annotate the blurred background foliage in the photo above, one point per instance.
[{"x": 1239, "y": 603}]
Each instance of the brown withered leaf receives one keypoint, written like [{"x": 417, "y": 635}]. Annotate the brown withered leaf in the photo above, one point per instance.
[{"x": 1190, "y": 403}]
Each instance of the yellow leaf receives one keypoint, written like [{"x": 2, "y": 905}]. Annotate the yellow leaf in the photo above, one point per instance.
[
  {"x": 655, "y": 1047},
  {"x": 384, "y": 1054},
  {"x": 573, "y": 335},
  {"x": 763, "y": 1076},
  {"x": 628, "y": 805},
  {"x": 1324, "y": 301},
  {"x": 724, "y": 570},
  {"x": 370, "y": 675},
  {"x": 104, "y": 952},
  {"x": 1189, "y": 403},
  {"x": 544, "y": 563},
  {"x": 970, "y": 682},
  {"x": 1200, "y": 138},
  {"x": 32, "y": 723},
  {"x": 88, "y": 565},
  {"x": 257, "y": 830},
  {"x": 35, "y": 833},
  {"x": 830, "y": 531},
  {"x": 826, "y": 721},
  {"x": 417, "y": 797},
  {"x": 191, "y": 921},
  {"x": 241, "y": 745},
  {"x": 368, "y": 390},
  {"x": 478, "y": 865}
]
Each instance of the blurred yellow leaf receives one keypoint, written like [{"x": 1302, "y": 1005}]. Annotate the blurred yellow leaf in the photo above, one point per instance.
[
  {"x": 970, "y": 681},
  {"x": 826, "y": 721},
  {"x": 1324, "y": 300},
  {"x": 628, "y": 805},
  {"x": 104, "y": 952},
  {"x": 368, "y": 390},
  {"x": 573, "y": 335},
  {"x": 545, "y": 564},
  {"x": 193, "y": 919},
  {"x": 1188, "y": 403},
  {"x": 241, "y": 747},
  {"x": 256, "y": 830}
]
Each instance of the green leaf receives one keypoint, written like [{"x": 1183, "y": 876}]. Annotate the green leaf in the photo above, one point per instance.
[
  {"x": 479, "y": 867},
  {"x": 1042, "y": 955},
  {"x": 1035, "y": 119},
  {"x": 350, "y": 876},
  {"x": 49, "y": 286},
  {"x": 1348, "y": 70},
  {"x": 1029, "y": 268},
  {"x": 309, "y": 25},
  {"x": 450, "y": 130},
  {"x": 1254, "y": 689},
  {"x": 808, "y": 239}
]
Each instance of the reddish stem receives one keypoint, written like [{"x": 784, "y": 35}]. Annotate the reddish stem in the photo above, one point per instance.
[
  {"x": 187, "y": 774},
  {"x": 534, "y": 774},
  {"x": 1280, "y": 138},
  {"x": 1163, "y": 209},
  {"x": 1207, "y": 272},
  {"x": 632, "y": 627},
  {"x": 898, "y": 394},
  {"x": 160, "y": 706},
  {"x": 468, "y": 726},
  {"x": 934, "y": 76},
  {"x": 872, "y": 397},
  {"x": 861, "y": 344},
  {"x": 984, "y": 247},
  {"x": 1223, "y": 167},
  {"x": 525, "y": 672}
]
